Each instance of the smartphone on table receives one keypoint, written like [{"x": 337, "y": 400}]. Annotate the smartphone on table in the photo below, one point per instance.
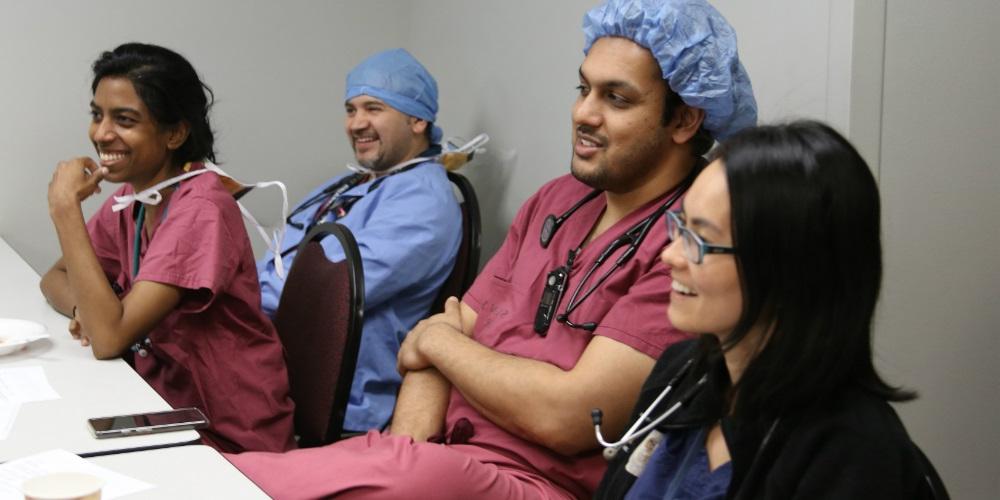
[{"x": 181, "y": 419}]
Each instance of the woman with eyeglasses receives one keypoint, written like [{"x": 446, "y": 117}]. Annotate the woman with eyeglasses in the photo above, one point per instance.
[{"x": 776, "y": 259}]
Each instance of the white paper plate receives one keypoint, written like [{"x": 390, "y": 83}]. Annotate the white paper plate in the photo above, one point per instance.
[{"x": 17, "y": 333}]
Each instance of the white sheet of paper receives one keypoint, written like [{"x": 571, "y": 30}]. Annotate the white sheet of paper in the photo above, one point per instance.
[
  {"x": 15, "y": 472},
  {"x": 8, "y": 413},
  {"x": 24, "y": 384}
]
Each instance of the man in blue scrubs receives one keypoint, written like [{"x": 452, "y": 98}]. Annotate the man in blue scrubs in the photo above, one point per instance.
[{"x": 400, "y": 207}]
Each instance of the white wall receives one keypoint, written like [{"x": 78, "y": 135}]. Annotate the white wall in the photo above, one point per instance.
[
  {"x": 277, "y": 69},
  {"x": 940, "y": 312},
  {"x": 509, "y": 69}
]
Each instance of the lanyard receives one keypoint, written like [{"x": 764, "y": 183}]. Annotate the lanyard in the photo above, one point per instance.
[
  {"x": 142, "y": 346},
  {"x": 138, "y": 240},
  {"x": 140, "y": 221}
]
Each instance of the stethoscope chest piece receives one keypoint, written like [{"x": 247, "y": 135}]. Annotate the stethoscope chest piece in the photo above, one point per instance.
[
  {"x": 548, "y": 230},
  {"x": 552, "y": 223}
]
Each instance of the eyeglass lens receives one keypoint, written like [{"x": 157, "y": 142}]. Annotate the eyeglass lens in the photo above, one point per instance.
[{"x": 676, "y": 229}]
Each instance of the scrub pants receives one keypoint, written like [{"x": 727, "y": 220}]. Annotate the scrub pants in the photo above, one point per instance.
[{"x": 376, "y": 466}]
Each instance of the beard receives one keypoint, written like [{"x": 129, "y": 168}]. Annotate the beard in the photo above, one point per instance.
[
  {"x": 620, "y": 171},
  {"x": 377, "y": 162}
]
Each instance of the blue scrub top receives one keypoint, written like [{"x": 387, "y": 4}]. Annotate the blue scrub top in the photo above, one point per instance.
[
  {"x": 678, "y": 469},
  {"x": 408, "y": 230}
]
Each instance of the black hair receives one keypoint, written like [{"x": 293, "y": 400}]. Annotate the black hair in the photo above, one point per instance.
[
  {"x": 702, "y": 140},
  {"x": 170, "y": 87},
  {"x": 805, "y": 218}
]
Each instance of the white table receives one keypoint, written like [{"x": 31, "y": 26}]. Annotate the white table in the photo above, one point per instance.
[
  {"x": 88, "y": 387},
  {"x": 183, "y": 472},
  {"x": 21, "y": 298}
]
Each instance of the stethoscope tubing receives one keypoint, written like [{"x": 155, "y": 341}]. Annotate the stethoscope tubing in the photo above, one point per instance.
[
  {"x": 635, "y": 431},
  {"x": 633, "y": 238},
  {"x": 338, "y": 188}
]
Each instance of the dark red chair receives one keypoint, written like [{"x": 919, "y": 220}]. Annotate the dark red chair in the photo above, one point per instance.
[
  {"x": 467, "y": 260},
  {"x": 319, "y": 320}
]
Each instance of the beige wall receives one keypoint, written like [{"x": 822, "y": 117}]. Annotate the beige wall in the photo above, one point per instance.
[
  {"x": 509, "y": 68},
  {"x": 925, "y": 115},
  {"x": 506, "y": 68},
  {"x": 277, "y": 69},
  {"x": 939, "y": 318}
]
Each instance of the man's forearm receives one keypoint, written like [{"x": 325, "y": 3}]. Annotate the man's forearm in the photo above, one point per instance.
[
  {"x": 520, "y": 395},
  {"x": 539, "y": 401},
  {"x": 421, "y": 405}
]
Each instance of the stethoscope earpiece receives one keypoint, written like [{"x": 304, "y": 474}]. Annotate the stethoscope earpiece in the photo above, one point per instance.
[{"x": 596, "y": 415}]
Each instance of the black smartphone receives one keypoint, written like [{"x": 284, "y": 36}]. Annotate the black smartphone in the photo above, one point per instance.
[{"x": 181, "y": 419}]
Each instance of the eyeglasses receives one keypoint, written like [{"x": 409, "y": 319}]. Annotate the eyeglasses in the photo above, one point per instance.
[{"x": 694, "y": 247}]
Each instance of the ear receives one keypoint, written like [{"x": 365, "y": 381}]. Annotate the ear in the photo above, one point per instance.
[
  {"x": 687, "y": 120},
  {"x": 178, "y": 135},
  {"x": 418, "y": 125}
]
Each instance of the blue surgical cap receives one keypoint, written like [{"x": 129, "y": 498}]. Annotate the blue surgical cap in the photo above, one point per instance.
[
  {"x": 696, "y": 50},
  {"x": 396, "y": 78}
]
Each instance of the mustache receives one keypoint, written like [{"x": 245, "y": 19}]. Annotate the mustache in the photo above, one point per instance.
[{"x": 590, "y": 133}]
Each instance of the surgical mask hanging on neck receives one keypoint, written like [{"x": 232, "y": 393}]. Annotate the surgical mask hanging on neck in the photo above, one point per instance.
[
  {"x": 152, "y": 196},
  {"x": 451, "y": 157},
  {"x": 361, "y": 169}
]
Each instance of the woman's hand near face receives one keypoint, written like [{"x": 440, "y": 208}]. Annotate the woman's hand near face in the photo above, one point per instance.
[{"x": 72, "y": 182}]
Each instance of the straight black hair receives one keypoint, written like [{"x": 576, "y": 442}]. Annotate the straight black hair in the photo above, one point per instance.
[
  {"x": 170, "y": 87},
  {"x": 805, "y": 219}
]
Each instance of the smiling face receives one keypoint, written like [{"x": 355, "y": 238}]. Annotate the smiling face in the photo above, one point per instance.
[
  {"x": 706, "y": 297},
  {"x": 382, "y": 136},
  {"x": 619, "y": 138},
  {"x": 130, "y": 143}
]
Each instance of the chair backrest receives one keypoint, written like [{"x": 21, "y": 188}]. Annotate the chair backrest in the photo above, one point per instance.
[
  {"x": 319, "y": 320},
  {"x": 467, "y": 260}
]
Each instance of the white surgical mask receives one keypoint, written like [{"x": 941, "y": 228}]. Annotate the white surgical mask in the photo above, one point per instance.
[
  {"x": 152, "y": 196},
  {"x": 449, "y": 149}
]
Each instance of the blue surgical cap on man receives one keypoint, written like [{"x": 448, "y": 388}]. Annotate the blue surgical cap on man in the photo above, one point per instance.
[
  {"x": 696, "y": 50},
  {"x": 396, "y": 78}
]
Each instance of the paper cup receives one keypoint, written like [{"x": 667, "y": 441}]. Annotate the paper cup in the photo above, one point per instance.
[{"x": 63, "y": 486}]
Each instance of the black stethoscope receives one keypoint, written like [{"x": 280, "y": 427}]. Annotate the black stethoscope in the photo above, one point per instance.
[
  {"x": 331, "y": 192},
  {"x": 555, "y": 282},
  {"x": 333, "y": 201}
]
